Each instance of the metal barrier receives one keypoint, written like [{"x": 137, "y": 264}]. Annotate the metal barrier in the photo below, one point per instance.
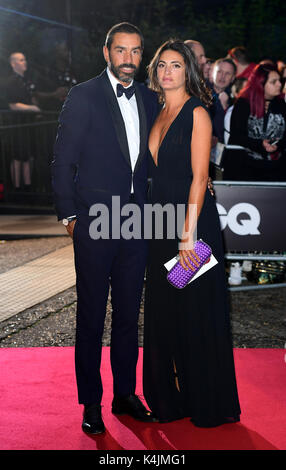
[
  {"x": 277, "y": 254},
  {"x": 26, "y": 151}
]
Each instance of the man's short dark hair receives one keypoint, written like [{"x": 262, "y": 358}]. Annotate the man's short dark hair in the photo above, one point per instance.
[
  {"x": 229, "y": 61},
  {"x": 240, "y": 54},
  {"x": 124, "y": 27}
]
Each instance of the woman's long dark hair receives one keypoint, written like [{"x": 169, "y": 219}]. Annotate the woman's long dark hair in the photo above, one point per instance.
[{"x": 195, "y": 83}]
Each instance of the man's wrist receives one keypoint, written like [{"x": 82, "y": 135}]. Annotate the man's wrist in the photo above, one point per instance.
[{"x": 67, "y": 220}]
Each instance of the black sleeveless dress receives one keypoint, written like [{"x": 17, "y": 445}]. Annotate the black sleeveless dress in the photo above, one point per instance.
[{"x": 188, "y": 367}]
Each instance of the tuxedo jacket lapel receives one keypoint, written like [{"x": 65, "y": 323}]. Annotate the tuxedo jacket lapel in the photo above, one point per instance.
[
  {"x": 116, "y": 117},
  {"x": 143, "y": 125},
  {"x": 119, "y": 122}
]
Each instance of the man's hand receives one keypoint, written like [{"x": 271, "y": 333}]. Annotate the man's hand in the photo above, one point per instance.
[
  {"x": 70, "y": 227},
  {"x": 223, "y": 97}
]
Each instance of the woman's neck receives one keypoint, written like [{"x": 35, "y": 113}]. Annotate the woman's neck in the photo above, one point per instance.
[{"x": 174, "y": 99}]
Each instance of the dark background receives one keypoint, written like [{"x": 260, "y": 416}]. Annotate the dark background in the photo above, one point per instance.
[{"x": 260, "y": 25}]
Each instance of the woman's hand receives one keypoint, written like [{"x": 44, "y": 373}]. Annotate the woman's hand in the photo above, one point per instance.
[
  {"x": 187, "y": 252},
  {"x": 268, "y": 147},
  {"x": 186, "y": 256}
]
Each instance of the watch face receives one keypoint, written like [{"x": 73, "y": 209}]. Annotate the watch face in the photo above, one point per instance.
[{"x": 65, "y": 222}]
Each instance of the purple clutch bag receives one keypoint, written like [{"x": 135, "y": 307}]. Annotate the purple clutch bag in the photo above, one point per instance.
[{"x": 179, "y": 277}]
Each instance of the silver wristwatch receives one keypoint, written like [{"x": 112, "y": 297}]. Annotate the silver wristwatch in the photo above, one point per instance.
[{"x": 68, "y": 220}]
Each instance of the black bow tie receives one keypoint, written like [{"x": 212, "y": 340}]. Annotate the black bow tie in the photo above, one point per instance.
[{"x": 128, "y": 91}]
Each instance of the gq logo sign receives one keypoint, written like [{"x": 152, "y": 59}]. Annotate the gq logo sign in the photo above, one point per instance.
[{"x": 240, "y": 226}]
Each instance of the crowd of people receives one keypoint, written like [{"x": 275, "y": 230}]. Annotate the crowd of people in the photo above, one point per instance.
[{"x": 248, "y": 114}]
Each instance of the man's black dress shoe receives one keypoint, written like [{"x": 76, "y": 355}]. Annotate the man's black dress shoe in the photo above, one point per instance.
[
  {"x": 92, "y": 420},
  {"x": 132, "y": 406}
]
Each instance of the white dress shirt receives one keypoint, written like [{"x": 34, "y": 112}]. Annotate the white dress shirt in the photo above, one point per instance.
[{"x": 130, "y": 116}]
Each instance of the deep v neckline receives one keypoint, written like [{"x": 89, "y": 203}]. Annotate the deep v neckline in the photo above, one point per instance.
[{"x": 162, "y": 141}]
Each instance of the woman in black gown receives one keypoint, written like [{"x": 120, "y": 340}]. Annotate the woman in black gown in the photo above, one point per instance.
[{"x": 188, "y": 368}]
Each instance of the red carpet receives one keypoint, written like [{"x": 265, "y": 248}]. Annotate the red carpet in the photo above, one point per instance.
[{"x": 39, "y": 409}]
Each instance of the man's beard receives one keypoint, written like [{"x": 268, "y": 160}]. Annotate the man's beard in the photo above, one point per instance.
[{"x": 123, "y": 76}]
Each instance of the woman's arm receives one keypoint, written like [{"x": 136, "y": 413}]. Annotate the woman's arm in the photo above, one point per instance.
[{"x": 200, "y": 157}]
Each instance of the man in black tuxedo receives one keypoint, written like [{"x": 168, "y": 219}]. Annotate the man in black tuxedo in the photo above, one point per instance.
[{"x": 100, "y": 152}]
